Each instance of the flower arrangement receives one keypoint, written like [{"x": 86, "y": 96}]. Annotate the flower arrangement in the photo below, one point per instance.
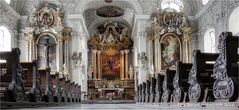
[{"x": 110, "y": 95}]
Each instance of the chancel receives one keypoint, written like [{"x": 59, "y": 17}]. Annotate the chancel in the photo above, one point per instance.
[{"x": 119, "y": 54}]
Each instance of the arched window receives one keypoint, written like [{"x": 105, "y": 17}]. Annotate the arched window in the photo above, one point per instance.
[
  {"x": 233, "y": 22},
  {"x": 209, "y": 41},
  {"x": 8, "y": 1},
  {"x": 5, "y": 36},
  {"x": 204, "y": 2},
  {"x": 173, "y": 4},
  {"x": 5, "y": 40}
]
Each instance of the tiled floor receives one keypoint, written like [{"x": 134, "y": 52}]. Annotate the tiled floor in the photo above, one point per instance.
[{"x": 127, "y": 107}]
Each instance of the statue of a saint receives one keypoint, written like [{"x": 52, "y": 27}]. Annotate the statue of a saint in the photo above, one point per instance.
[
  {"x": 76, "y": 57},
  {"x": 90, "y": 71},
  {"x": 131, "y": 72}
]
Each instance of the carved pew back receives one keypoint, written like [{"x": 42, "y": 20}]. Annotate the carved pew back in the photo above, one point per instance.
[
  {"x": 12, "y": 88},
  {"x": 63, "y": 89},
  {"x": 32, "y": 81},
  {"x": 46, "y": 85},
  {"x": 168, "y": 85},
  {"x": 180, "y": 82},
  {"x": 225, "y": 69},
  {"x": 152, "y": 89},
  {"x": 72, "y": 90},
  {"x": 137, "y": 94},
  {"x": 140, "y": 93},
  {"x": 200, "y": 79},
  {"x": 158, "y": 88},
  {"x": 143, "y": 91},
  {"x": 147, "y": 92},
  {"x": 79, "y": 89},
  {"x": 68, "y": 91},
  {"x": 56, "y": 87}
]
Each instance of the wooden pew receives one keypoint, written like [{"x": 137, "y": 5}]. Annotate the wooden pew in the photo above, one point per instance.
[
  {"x": 158, "y": 88},
  {"x": 225, "y": 68},
  {"x": 68, "y": 93},
  {"x": 79, "y": 92},
  {"x": 168, "y": 85},
  {"x": 12, "y": 88},
  {"x": 32, "y": 81},
  {"x": 143, "y": 91},
  {"x": 137, "y": 93},
  {"x": 56, "y": 87},
  {"x": 72, "y": 90},
  {"x": 76, "y": 90},
  {"x": 180, "y": 82},
  {"x": 200, "y": 79},
  {"x": 140, "y": 93},
  {"x": 152, "y": 89},
  {"x": 63, "y": 89},
  {"x": 147, "y": 91},
  {"x": 46, "y": 85}
]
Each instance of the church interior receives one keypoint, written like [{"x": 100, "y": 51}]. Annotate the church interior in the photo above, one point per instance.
[{"x": 124, "y": 54}]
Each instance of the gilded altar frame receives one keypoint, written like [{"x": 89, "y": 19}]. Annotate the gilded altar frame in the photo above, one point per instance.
[{"x": 164, "y": 23}]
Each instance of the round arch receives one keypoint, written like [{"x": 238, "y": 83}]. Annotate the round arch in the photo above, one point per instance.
[{"x": 233, "y": 23}]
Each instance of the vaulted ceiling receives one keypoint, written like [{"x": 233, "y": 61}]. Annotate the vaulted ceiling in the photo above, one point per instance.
[{"x": 88, "y": 8}]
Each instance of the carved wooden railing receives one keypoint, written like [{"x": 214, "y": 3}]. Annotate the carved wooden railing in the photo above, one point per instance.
[{"x": 226, "y": 68}]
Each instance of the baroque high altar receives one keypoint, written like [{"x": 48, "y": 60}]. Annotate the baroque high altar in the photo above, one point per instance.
[{"x": 110, "y": 48}]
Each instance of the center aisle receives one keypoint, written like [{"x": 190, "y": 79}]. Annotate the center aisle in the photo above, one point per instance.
[{"x": 123, "y": 107}]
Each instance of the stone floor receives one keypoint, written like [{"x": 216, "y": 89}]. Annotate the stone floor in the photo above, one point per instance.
[{"x": 130, "y": 107}]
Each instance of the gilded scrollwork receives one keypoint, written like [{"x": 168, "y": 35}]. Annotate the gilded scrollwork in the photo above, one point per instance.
[
  {"x": 111, "y": 35},
  {"x": 170, "y": 27}
]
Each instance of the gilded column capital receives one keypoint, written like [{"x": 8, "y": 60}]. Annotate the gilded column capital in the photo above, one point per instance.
[
  {"x": 94, "y": 51},
  {"x": 126, "y": 51},
  {"x": 99, "y": 52},
  {"x": 122, "y": 51}
]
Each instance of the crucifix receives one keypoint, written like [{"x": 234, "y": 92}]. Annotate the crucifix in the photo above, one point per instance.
[{"x": 47, "y": 46}]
